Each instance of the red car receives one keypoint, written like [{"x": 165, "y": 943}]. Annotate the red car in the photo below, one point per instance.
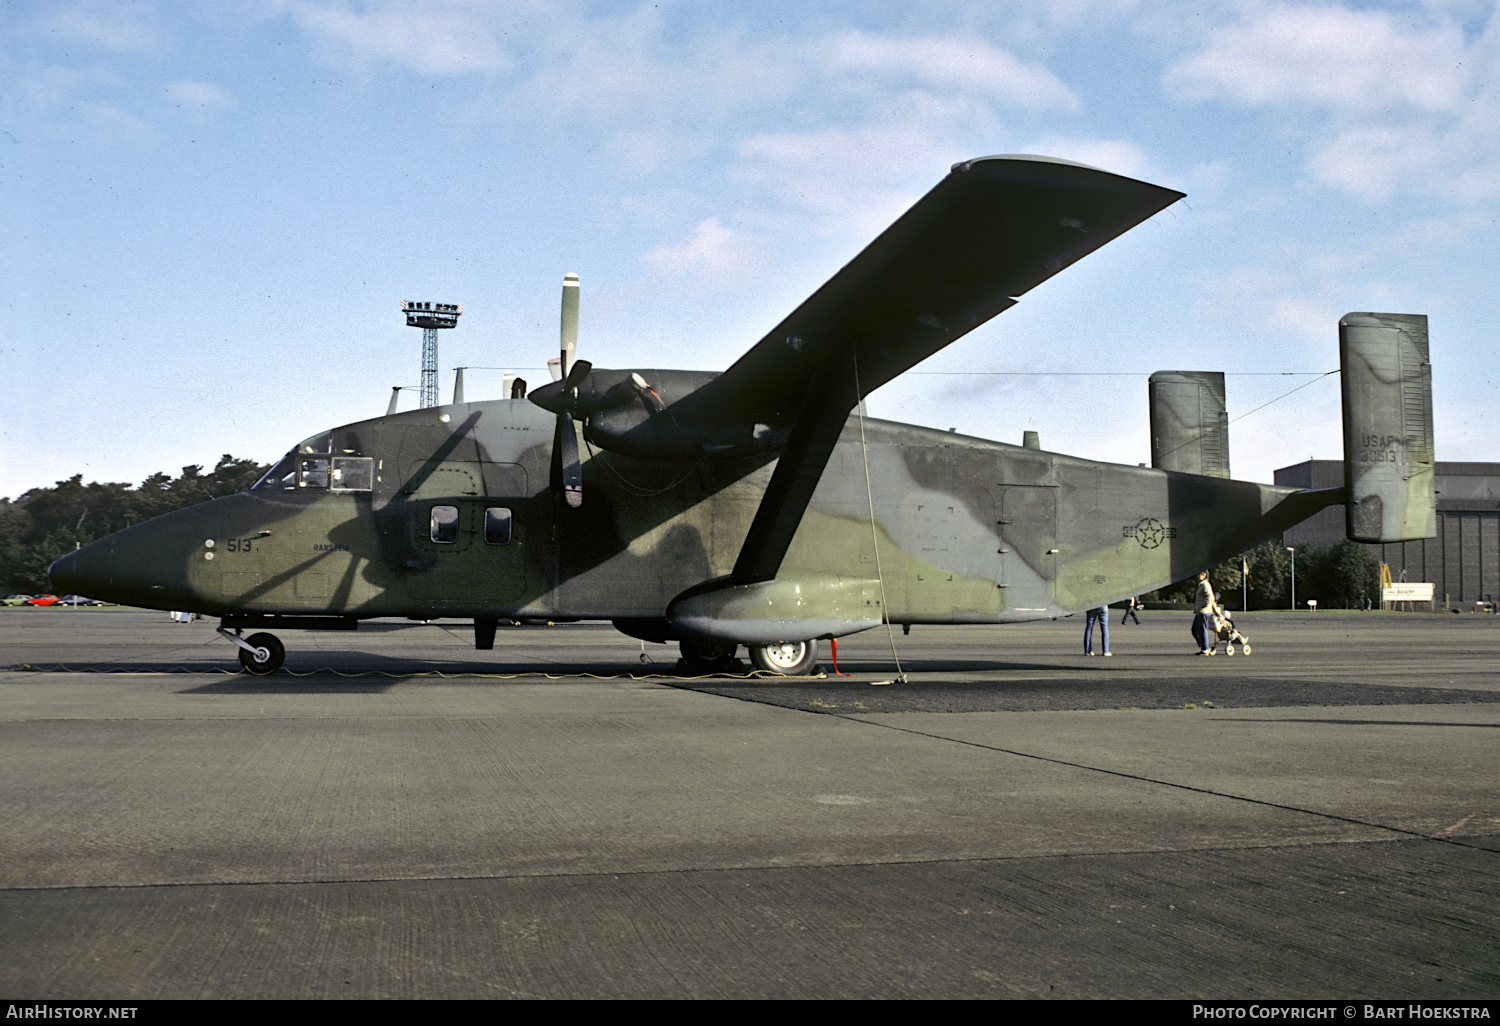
[{"x": 43, "y": 600}]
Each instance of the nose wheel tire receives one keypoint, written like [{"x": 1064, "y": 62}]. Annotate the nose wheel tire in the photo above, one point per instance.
[
  {"x": 707, "y": 656},
  {"x": 274, "y": 651},
  {"x": 788, "y": 658}
]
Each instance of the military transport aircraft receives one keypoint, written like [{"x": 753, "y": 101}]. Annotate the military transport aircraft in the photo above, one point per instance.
[{"x": 758, "y": 506}]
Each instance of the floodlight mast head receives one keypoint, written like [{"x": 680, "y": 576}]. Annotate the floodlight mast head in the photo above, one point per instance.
[{"x": 430, "y": 317}]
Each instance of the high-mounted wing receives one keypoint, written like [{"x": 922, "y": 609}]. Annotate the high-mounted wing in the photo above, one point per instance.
[
  {"x": 990, "y": 231},
  {"x": 995, "y": 228}
]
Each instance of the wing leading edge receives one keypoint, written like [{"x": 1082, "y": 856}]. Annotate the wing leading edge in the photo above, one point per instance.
[{"x": 992, "y": 230}]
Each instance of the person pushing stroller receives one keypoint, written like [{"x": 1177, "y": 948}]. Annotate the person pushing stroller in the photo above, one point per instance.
[
  {"x": 1211, "y": 623},
  {"x": 1203, "y": 611}
]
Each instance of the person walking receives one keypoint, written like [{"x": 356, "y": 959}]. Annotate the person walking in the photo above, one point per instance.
[
  {"x": 1131, "y": 605},
  {"x": 1203, "y": 608},
  {"x": 1099, "y": 615}
]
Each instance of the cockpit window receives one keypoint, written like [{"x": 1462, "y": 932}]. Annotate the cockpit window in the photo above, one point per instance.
[
  {"x": 300, "y": 472},
  {"x": 317, "y": 444},
  {"x": 352, "y": 473},
  {"x": 312, "y": 473},
  {"x": 281, "y": 477}
]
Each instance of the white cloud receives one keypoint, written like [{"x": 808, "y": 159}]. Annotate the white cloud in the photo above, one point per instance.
[
  {"x": 433, "y": 38},
  {"x": 111, "y": 118},
  {"x": 112, "y": 25},
  {"x": 712, "y": 251},
  {"x": 850, "y": 180},
  {"x": 48, "y": 87},
  {"x": 199, "y": 97},
  {"x": 1384, "y": 103},
  {"x": 1289, "y": 299},
  {"x": 1327, "y": 56},
  {"x": 1118, "y": 156},
  {"x": 951, "y": 63}
]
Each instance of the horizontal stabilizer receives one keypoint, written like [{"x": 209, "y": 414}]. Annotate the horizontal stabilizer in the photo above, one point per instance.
[
  {"x": 1388, "y": 452},
  {"x": 1189, "y": 424}
]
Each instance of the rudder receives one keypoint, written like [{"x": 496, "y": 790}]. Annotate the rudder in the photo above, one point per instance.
[
  {"x": 1388, "y": 450},
  {"x": 1189, "y": 425}
]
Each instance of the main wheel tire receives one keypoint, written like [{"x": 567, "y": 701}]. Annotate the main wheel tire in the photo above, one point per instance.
[
  {"x": 707, "y": 656},
  {"x": 275, "y": 654},
  {"x": 788, "y": 658}
]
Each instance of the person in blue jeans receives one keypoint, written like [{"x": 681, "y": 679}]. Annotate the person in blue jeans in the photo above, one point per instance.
[{"x": 1100, "y": 616}]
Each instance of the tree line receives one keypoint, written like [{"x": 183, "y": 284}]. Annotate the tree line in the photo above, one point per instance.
[
  {"x": 45, "y": 523},
  {"x": 1341, "y": 576}
]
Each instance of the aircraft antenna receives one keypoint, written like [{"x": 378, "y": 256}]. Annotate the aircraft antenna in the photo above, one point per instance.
[{"x": 430, "y": 317}]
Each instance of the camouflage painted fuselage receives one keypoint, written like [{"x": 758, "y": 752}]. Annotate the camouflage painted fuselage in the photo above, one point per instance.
[{"x": 963, "y": 530}]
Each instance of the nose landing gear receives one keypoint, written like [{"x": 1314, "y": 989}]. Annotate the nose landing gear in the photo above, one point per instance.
[{"x": 261, "y": 654}]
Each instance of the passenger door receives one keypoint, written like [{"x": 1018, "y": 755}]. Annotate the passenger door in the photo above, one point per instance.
[{"x": 467, "y": 534}]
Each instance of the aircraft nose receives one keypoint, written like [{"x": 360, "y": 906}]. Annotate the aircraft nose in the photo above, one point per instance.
[
  {"x": 144, "y": 565},
  {"x": 81, "y": 571}
]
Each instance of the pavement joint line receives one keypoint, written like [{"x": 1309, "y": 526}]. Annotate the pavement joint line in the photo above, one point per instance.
[
  {"x": 1416, "y": 835},
  {"x": 598, "y": 874}
]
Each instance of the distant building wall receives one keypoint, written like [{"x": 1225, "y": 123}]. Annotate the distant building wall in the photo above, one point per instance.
[{"x": 1463, "y": 561}]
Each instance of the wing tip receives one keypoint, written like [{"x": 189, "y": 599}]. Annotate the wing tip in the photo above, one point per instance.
[
  {"x": 964, "y": 165},
  {"x": 1038, "y": 158}
]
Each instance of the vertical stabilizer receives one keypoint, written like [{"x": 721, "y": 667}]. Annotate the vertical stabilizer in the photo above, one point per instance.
[
  {"x": 1388, "y": 454},
  {"x": 1189, "y": 425}
]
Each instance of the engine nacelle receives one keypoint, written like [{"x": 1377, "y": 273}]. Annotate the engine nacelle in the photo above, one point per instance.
[{"x": 785, "y": 609}]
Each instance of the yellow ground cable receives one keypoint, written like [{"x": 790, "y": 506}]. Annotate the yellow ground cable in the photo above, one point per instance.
[{"x": 754, "y": 675}]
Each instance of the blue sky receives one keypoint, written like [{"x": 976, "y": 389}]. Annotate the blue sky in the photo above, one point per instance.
[{"x": 216, "y": 208}]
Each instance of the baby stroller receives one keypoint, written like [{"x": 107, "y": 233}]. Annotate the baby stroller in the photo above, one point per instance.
[{"x": 1226, "y": 632}]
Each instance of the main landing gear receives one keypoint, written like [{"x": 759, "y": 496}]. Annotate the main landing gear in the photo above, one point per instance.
[
  {"x": 702, "y": 657},
  {"x": 784, "y": 658},
  {"x": 261, "y": 654},
  {"x": 788, "y": 658}
]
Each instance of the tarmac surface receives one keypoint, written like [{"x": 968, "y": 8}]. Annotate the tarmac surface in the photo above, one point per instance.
[{"x": 396, "y": 815}]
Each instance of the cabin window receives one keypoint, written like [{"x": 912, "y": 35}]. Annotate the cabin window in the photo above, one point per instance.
[
  {"x": 352, "y": 473},
  {"x": 497, "y": 525},
  {"x": 318, "y": 443},
  {"x": 312, "y": 473},
  {"x": 444, "y": 528}
]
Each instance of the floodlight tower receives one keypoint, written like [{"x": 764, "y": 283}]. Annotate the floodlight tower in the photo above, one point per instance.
[{"x": 430, "y": 317}]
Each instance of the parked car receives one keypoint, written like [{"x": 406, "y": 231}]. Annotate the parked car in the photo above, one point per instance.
[
  {"x": 78, "y": 600},
  {"x": 15, "y": 600},
  {"x": 43, "y": 600}
]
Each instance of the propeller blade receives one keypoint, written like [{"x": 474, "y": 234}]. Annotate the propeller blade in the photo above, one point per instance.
[
  {"x": 569, "y": 471},
  {"x": 576, "y": 374},
  {"x": 561, "y": 397},
  {"x": 569, "y": 321}
]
